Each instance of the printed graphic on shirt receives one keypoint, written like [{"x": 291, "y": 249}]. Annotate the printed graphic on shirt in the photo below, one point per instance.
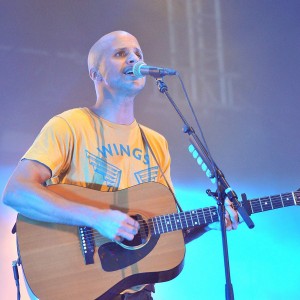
[
  {"x": 121, "y": 150},
  {"x": 110, "y": 174},
  {"x": 147, "y": 175}
]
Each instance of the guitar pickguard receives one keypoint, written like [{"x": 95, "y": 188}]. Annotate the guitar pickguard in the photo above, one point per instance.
[{"x": 113, "y": 257}]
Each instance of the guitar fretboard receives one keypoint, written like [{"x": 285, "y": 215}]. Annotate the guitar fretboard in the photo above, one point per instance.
[
  {"x": 273, "y": 202},
  {"x": 183, "y": 220}
]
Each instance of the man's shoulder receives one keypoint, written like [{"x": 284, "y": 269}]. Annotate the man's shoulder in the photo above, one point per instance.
[
  {"x": 72, "y": 114},
  {"x": 73, "y": 118}
]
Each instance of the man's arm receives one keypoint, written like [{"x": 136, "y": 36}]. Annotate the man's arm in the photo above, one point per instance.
[
  {"x": 191, "y": 234},
  {"x": 26, "y": 193}
]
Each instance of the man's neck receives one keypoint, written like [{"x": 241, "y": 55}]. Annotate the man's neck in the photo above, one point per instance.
[{"x": 119, "y": 111}]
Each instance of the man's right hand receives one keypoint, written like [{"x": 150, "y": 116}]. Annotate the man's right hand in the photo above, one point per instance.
[{"x": 116, "y": 225}]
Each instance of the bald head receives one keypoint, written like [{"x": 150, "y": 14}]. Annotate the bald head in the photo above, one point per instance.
[{"x": 102, "y": 45}]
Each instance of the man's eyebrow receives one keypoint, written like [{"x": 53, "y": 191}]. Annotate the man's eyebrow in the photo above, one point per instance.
[
  {"x": 126, "y": 48},
  {"x": 121, "y": 49}
]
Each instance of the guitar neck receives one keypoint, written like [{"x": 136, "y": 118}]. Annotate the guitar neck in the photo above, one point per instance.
[
  {"x": 183, "y": 220},
  {"x": 272, "y": 202},
  {"x": 177, "y": 221}
]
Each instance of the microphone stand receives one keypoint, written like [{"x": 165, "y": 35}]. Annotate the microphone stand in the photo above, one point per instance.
[{"x": 223, "y": 188}]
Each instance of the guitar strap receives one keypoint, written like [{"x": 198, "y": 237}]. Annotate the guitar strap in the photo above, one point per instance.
[{"x": 146, "y": 143}]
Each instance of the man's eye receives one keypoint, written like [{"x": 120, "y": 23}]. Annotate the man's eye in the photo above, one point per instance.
[
  {"x": 120, "y": 54},
  {"x": 139, "y": 55}
]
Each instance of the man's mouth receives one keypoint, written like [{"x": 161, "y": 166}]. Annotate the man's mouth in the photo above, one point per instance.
[{"x": 128, "y": 71}]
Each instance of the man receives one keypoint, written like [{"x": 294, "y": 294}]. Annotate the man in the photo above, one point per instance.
[{"x": 102, "y": 147}]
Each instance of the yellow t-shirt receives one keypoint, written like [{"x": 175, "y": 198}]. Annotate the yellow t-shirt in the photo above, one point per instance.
[{"x": 83, "y": 149}]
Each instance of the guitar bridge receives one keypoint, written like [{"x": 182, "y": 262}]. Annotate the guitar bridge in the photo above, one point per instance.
[{"x": 86, "y": 238}]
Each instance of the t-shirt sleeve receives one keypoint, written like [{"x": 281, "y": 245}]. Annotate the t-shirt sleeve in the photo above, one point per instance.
[{"x": 53, "y": 146}]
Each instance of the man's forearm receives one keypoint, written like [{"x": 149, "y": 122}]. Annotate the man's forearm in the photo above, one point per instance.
[{"x": 191, "y": 234}]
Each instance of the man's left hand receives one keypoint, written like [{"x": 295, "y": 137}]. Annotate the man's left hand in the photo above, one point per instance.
[{"x": 231, "y": 218}]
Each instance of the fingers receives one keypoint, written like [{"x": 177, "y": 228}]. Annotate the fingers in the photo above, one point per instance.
[
  {"x": 231, "y": 216},
  {"x": 116, "y": 225},
  {"x": 128, "y": 229},
  {"x": 132, "y": 223},
  {"x": 125, "y": 227}
]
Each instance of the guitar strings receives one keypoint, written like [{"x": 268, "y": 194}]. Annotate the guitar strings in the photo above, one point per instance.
[
  {"x": 257, "y": 202},
  {"x": 96, "y": 236},
  {"x": 165, "y": 224}
]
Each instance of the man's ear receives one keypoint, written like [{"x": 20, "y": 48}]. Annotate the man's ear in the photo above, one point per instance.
[{"x": 95, "y": 75}]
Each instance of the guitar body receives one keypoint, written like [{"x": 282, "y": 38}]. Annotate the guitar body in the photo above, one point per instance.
[{"x": 52, "y": 258}]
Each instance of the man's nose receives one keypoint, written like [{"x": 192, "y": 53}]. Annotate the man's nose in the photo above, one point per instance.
[{"x": 132, "y": 58}]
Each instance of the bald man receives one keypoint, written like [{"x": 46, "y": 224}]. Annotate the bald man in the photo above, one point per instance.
[{"x": 101, "y": 147}]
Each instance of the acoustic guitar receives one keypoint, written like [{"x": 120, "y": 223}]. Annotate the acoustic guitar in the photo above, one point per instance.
[{"x": 76, "y": 262}]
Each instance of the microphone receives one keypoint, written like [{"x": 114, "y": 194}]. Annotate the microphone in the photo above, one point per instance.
[{"x": 140, "y": 69}]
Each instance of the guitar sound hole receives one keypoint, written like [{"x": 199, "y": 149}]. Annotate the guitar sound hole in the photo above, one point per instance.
[{"x": 142, "y": 237}]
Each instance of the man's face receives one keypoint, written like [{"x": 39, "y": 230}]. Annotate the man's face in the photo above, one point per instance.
[{"x": 120, "y": 53}]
